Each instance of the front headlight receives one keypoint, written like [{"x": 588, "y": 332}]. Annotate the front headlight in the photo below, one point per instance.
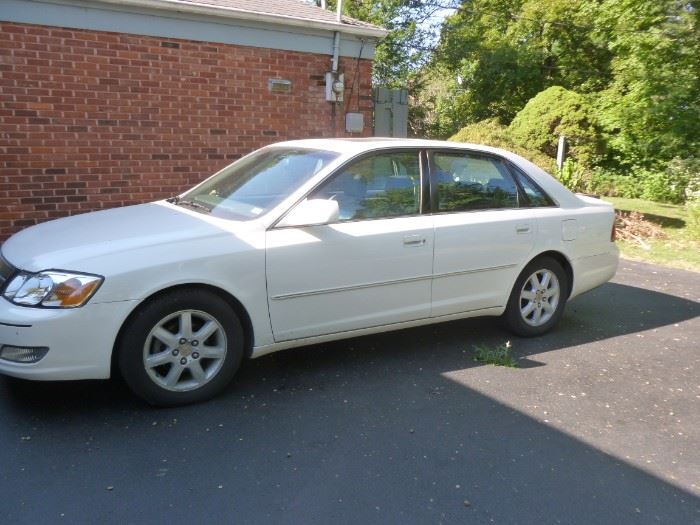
[{"x": 52, "y": 289}]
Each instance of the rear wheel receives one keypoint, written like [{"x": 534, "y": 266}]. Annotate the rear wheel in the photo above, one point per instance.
[
  {"x": 182, "y": 347},
  {"x": 537, "y": 300}
]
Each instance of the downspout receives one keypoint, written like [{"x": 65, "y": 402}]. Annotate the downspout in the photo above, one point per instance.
[
  {"x": 334, "y": 63},
  {"x": 336, "y": 38},
  {"x": 336, "y": 52}
]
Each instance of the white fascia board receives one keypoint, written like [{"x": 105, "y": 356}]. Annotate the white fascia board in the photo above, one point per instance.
[
  {"x": 242, "y": 14},
  {"x": 117, "y": 17}
]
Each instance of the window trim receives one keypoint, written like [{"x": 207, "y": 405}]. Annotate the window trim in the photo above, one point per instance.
[
  {"x": 434, "y": 204},
  {"x": 423, "y": 174}
]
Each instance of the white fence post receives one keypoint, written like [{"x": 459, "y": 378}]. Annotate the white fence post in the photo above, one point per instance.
[{"x": 561, "y": 152}]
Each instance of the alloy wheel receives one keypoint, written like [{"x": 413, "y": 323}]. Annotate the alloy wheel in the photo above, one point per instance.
[
  {"x": 184, "y": 350},
  {"x": 539, "y": 297}
]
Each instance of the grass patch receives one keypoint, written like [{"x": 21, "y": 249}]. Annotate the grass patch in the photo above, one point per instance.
[
  {"x": 681, "y": 248},
  {"x": 495, "y": 355}
]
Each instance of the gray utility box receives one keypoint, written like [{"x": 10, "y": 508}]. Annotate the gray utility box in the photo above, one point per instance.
[
  {"x": 354, "y": 122},
  {"x": 390, "y": 112}
]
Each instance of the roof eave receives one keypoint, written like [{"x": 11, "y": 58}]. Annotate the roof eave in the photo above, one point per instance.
[{"x": 243, "y": 14}]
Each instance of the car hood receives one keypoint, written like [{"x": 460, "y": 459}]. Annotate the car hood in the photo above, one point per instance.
[{"x": 82, "y": 242}]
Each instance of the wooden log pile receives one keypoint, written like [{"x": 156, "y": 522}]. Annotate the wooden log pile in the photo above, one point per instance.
[{"x": 634, "y": 228}]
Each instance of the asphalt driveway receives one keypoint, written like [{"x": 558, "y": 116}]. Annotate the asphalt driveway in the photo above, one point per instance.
[{"x": 599, "y": 424}]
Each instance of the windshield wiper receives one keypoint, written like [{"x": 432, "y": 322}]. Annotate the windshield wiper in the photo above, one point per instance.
[{"x": 188, "y": 202}]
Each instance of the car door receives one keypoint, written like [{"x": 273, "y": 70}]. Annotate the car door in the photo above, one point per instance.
[
  {"x": 371, "y": 267},
  {"x": 482, "y": 234}
]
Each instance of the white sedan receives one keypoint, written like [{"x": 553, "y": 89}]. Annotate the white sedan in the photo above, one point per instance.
[{"x": 297, "y": 243}]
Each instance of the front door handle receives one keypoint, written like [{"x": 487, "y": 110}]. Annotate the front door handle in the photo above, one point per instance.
[{"x": 413, "y": 240}]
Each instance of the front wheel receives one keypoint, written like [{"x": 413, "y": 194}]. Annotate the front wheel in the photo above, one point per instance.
[
  {"x": 182, "y": 347},
  {"x": 537, "y": 300}
]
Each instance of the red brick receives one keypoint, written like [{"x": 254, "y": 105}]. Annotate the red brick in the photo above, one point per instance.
[{"x": 93, "y": 120}]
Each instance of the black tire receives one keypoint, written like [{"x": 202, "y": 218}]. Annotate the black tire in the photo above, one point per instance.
[
  {"x": 522, "y": 325},
  {"x": 198, "y": 306}
]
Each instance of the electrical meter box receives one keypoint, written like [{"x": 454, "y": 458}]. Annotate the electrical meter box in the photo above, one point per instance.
[{"x": 335, "y": 86}]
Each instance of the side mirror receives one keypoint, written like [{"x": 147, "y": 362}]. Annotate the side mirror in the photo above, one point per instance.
[{"x": 311, "y": 212}]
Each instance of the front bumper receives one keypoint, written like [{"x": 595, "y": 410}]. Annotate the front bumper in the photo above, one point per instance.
[{"x": 80, "y": 340}]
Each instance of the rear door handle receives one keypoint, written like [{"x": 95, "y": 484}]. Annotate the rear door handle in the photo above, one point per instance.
[
  {"x": 523, "y": 228},
  {"x": 413, "y": 240}
]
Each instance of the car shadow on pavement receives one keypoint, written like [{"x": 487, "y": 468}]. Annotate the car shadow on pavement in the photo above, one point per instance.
[{"x": 366, "y": 430}]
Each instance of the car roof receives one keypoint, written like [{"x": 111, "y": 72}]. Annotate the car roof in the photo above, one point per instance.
[{"x": 360, "y": 145}]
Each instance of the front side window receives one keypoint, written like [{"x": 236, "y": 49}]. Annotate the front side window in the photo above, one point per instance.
[
  {"x": 255, "y": 184},
  {"x": 380, "y": 186},
  {"x": 467, "y": 182}
]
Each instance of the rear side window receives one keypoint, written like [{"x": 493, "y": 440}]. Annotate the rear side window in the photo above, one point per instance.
[
  {"x": 535, "y": 195},
  {"x": 467, "y": 182}
]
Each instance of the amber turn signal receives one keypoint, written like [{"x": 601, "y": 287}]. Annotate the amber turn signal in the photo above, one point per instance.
[{"x": 72, "y": 292}]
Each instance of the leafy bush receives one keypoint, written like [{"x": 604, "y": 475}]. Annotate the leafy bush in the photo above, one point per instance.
[
  {"x": 677, "y": 183},
  {"x": 685, "y": 174},
  {"x": 625, "y": 186},
  {"x": 693, "y": 207},
  {"x": 672, "y": 185},
  {"x": 657, "y": 186},
  {"x": 553, "y": 112},
  {"x": 640, "y": 184},
  {"x": 572, "y": 176},
  {"x": 491, "y": 133},
  {"x": 602, "y": 182}
]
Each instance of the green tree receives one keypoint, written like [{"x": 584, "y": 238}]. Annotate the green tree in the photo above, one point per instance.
[
  {"x": 636, "y": 61},
  {"x": 503, "y": 52},
  {"x": 491, "y": 133},
  {"x": 412, "y": 26},
  {"x": 650, "y": 111},
  {"x": 553, "y": 112}
]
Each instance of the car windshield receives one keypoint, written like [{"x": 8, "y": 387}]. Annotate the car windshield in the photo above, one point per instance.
[{"x": 255, "y": 184}]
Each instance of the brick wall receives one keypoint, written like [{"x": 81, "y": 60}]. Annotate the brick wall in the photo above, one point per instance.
[{"x": 92, "y": 120}]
